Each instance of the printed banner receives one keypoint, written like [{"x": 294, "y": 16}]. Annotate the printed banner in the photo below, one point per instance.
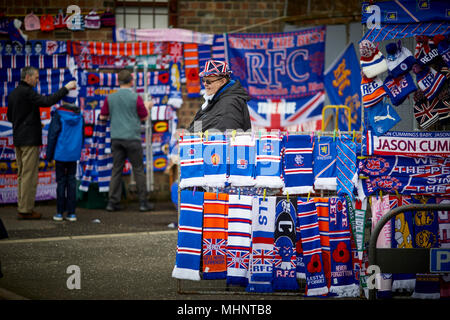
[
  {"x": 282, "y": 72},
  {"x": 342, "y": 83},
  {"x": 46, "y": 188},
  {"x": 32, "y": 47},
  {"x": 170, "y": 34},
  {"x": 411, "y": 144}
]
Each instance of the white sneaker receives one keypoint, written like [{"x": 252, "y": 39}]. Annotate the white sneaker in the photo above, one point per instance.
[{"x": 71, "y": 217}]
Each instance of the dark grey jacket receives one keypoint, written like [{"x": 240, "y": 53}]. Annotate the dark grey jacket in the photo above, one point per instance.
[
  {"x": 23, "y": 112},
  {"x": 226, "y": 110}
]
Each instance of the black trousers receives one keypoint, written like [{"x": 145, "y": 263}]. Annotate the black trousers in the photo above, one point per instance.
[
  {"x": 121, "y": 150},
  {"x": 66, "y": 186}
]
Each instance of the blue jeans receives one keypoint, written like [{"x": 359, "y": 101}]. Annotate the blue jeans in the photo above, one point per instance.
[{"x": 66, "y": 189}]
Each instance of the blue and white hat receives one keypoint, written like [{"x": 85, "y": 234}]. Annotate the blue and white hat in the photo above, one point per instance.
[
  {"x": 399, "y": 59},
  {"x": 71, "y": 97}
]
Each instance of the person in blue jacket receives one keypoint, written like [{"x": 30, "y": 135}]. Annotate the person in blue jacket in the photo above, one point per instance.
[{"x": 65, "y": 140}]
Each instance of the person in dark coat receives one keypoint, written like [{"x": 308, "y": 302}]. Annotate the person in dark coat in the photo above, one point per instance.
[
  {"x": 23, "y": 112},
  {"x": 225, "y": 106}
]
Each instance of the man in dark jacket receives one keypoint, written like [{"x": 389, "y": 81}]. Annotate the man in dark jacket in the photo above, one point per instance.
[
  {"x": 225, "y": 106},
  {"x": 23, "y": 112}
]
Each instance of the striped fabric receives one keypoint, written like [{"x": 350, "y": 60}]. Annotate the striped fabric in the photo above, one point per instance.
[
  {"x": 325, "y": 163},
  {"x": 298, "y": 164},
  {"x": 189, "y": 243},
  {"x": 38, "y": 61},
  {"x": 268, "y": 162},
  {"x": 322, "y": 208},
  {"x": 239, "y": 239},
  {"x": 372, "y": 91},
  {"x": 218, "y": 47},
  {"x": 215, "y": 226},
  {"x": 242, "y": 161},
  {"x": 346, "y": 166},
  {"x": 215, "y": 160},
  {"x": 191, "y": 65},
  {"x": 191, "y": 161},
  {"x": 312, "y": 252}
]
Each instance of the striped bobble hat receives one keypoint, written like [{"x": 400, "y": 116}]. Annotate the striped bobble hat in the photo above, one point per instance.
[
  {"x": 215, "y": 68},
  {"x": 71, "y": 97}
]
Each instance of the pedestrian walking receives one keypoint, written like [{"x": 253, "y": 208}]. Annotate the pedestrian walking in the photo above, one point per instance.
[{"x": 23, "y": 112}]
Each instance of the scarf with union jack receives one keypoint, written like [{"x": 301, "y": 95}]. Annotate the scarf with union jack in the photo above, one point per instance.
[
  {"x": 189, "y": 243},
  {"x": 215, "y": 226},
  {"x": 239, "y": 239},
  {"x": 316, "y": 283},
  {"x": 298, "y": 164},
  {"x": 261, "y": 263}
]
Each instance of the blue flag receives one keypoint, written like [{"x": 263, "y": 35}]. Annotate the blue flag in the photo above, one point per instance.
[{"x": 342, "y": 84}]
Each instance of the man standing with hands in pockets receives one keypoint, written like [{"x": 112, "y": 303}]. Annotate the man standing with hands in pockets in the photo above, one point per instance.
[{"x": 23, "y": 112}]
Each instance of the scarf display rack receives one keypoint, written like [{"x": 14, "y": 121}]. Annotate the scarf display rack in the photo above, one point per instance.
[{"x": 219, "y": 287}]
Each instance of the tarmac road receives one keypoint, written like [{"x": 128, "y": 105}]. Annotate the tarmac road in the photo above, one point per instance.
[{"x": 126, "y": 255}]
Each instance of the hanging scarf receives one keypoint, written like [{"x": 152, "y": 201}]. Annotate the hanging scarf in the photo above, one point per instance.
[
  {"x": 191, "y": 162},
  {"x": 380, "y": 206},
  {"x": 316, "y": 283},
  {"x": 285, "y": 277},
  {"x": 298, "y": 162},
  {"x": 268, "y": 162},
  {"x": 426, "y": 229},
  {"x": 242, "y": 161},
  {"x": 444, "y": 241},
  {"x": 323, "y": 217},
  {"x": 45, "y": 75},
  {"x": 187, "y": 262},
  {"x": 192, "y": 70},
  {"x": 263, "y": 226},
  {"x": 342, "y": 278},
  {"x": 215, "y": 226},
  {"x": 218, "y": 47},
  {"x": 325, "y": 163},
  {"x": 215, "y": 160},
  {"x": 346, "y": 166},
  {"x": 402, "y": 237},
  {"x": 239, "y": 239}
]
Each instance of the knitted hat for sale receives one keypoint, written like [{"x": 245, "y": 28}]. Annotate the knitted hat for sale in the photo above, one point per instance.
[
  {"x": 399, "y": 59},
  {"x": 399, "y": 88},
  {"x": 372, "y": 60},
  {"x": 429, "y": 80},
  {"x": 59, "y": 21},
  {"x": 426, "y": 51},
  {"x": 71, "y": 97},
  {"x": 424, "y": 111},
  {"x": 92, "y": 20},
  {"x": 443, "y": 47},
  {"x": 372, "y": 91},
  {"x": 47, "y": 23},
  {"x": 32, "y": 22},
  {"x": 108, "y": 19}
]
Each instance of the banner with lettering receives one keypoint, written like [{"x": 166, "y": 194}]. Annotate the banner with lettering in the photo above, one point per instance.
[
  {"x": 411, "y": 144},
  {"x": 282, "y": 72},
  {"x": 404, "y": 175},
  {"x": 342, "y": 83}
]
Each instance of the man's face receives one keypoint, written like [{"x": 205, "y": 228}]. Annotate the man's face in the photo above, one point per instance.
[
  {"x": 33, "y": 79},
  {"x": 212, "y": 84}
]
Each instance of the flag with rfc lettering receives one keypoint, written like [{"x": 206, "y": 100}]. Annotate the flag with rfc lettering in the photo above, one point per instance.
[{"x": 283, "y": 74}]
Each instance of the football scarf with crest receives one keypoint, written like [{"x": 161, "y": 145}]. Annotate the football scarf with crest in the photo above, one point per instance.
[
  {"x": 215, "y": 226},
  {"x": 191, "y": 161},
  {"x": 323, "y": 217},
  {"x": 189, "y": 243},
  {"x": 215, "y": 160},
  {"x": 325, "y": 163},
  {"x": 261, "y": 263},
  {"x": 239, "y": 238},
  {"x": 268, "y": 162},
  {"x": 285, "y": 262},
  {"x": 402, "y": 229},
  {"x": 426, "y": 229},
  {"x": 298, "y": 164},
  {"x": 316, "y": 283},
  {"x": 242, "y": 161},
  {"x": 342, "y": 278},
  {"x": 346, "y": 166}
]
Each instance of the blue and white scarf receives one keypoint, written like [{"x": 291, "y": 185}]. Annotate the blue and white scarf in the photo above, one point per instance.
[
  {"x": 268, "y": 162},
  {"x": 242, "y": 161},
  {"x": 346, "y": 166},
  {"x": 189, "y": 243},
  {"x": 298, "y": 164},
  {"x": 191, "y": 162},
  {"x": 239, "y": 239},
  {"x": 215, "y": 160},
  {"x": 325, "y": 163}
]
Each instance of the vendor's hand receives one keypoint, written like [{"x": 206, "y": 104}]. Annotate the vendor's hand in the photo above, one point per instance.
[{"x": 71, "y": 85}]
